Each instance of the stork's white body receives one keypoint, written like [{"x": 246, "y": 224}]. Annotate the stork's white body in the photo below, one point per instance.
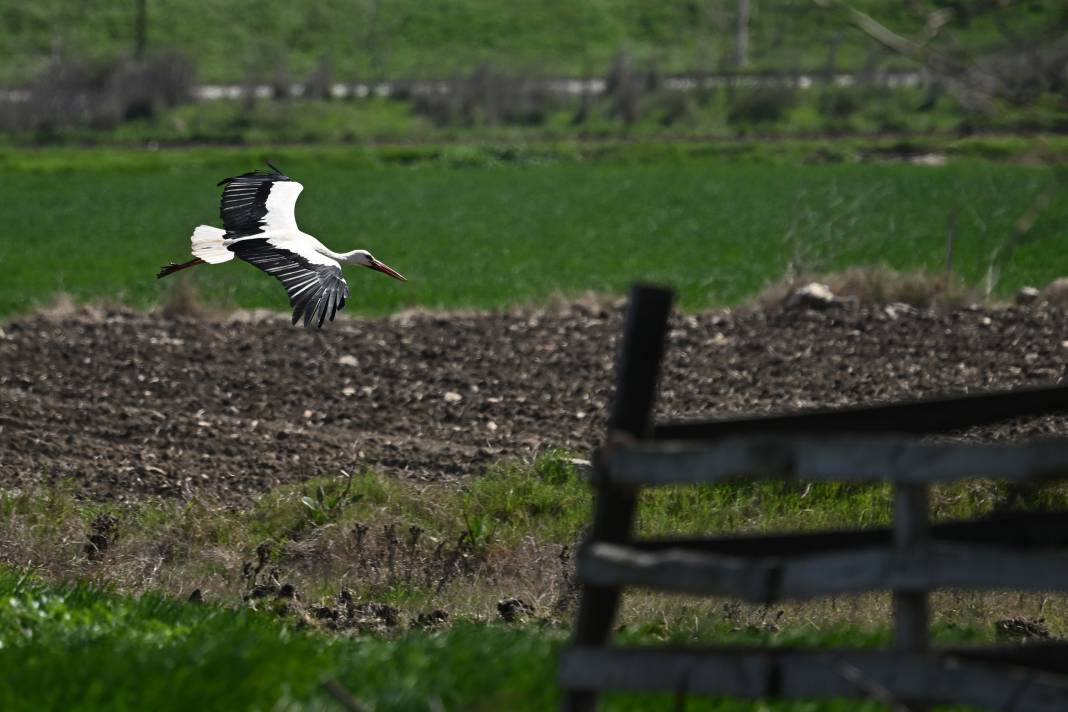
[{"x": 259, "y": 215}]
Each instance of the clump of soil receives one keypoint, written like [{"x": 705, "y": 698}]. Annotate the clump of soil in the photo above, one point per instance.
[
  {"x": 102, "y": 534},
  {"x": 127, "y": 405},
  {"x": 1025, "y": 630}
]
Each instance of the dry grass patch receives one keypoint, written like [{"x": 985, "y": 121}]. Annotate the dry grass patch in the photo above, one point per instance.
[
  {"x": 372, "y": 552},
  {"x": 879, "y": 285},
  {"x": 415, "y": 548}
]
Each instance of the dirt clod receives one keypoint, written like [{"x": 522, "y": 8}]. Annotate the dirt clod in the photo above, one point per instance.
[
  {"x": 102, "y": 534},
  {"x": 372, "y": 612},
  {"x": 431, "y": 619},
  {"x": 513, "y": 609},
  {"x": 1022, "y": 629},
  {"x": 261, "y": 591}
]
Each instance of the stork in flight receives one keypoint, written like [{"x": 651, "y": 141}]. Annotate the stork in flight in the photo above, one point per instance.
[{"x": 260, "y": 227}]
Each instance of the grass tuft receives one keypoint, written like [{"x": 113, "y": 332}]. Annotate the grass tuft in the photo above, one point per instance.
[
  {"x": 182, "y": 299},
  {"x": 881, "y": 285},
  {"x": 459, "y": 547}
]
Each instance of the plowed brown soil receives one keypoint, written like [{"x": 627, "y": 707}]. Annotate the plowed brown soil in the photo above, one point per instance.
[{"x": 127, "y": 405}]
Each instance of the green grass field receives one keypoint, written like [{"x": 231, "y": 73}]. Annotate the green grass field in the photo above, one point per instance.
[
  {"x": 469, "y": 230},
  {"x": 82, "y": 648}
]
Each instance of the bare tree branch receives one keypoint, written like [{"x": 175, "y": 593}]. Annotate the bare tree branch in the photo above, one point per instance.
[{"x": 971, "y": 88}]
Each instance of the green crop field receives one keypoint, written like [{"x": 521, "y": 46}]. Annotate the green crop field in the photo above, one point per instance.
[{"x": 469, "y": 231}]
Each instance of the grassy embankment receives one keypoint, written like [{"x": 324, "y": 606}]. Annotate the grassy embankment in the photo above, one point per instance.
[
  {"x": 489, "y": 53},
  {"x": 101, "y": 645},
  {"x": 402, "y": 38},
  {"x": 492, "y": 227}
]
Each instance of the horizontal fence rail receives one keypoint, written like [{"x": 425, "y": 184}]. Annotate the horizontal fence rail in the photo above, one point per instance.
[
  {"x": 837, "y": 458},
  {"x": 918, "y": 417},
  {"x": 941, "y": 677},
  {"x": 1030, "y": 530},
  {"x": 771, "y": 579}
]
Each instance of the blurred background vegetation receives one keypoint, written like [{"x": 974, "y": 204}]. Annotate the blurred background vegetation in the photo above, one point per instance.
[{"x": 143, "y": 72}]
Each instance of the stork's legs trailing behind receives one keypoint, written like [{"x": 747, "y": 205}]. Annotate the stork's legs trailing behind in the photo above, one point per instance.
[{"x": 174, "y": 267}]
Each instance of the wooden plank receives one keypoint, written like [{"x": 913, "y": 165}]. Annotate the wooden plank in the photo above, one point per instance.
[
  {"x": 911, "y": 535},
  {"x": 933, "y": 415},
  {"x": 766, "y": 579},
  {"x": 631, "y": 417},
  {"x": 1026, "y": 530},
  {"x": 792, "y": 674},
  {"x": 846, "y": 459},
  {"x": 1045, "y": 657}
]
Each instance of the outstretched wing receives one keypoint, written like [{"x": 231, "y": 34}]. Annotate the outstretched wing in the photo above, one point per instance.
[
  {"x": 314, "y": 282},
  {"x": 259, "y": 202}
]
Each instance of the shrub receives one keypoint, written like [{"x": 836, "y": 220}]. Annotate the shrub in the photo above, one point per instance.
[
  {"x": 761, "y": 105},
  {"x": 70, "y": 92},
  {"x": 838, "y": 103},
  {"x": 485, "y": 97}
]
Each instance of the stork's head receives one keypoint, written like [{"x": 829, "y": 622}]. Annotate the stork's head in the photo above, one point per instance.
[{"x": 365, "y": 258}]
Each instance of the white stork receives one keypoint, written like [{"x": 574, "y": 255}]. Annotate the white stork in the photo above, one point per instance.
[{"x": 260, "y": 227}]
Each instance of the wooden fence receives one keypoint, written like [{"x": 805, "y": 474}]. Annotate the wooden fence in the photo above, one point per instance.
[{"x": 1019, "y": 551}]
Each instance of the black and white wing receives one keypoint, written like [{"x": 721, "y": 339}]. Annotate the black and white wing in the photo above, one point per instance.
[
  {"x": 314, "y": 282},
  {"x": 259, "y": 202}
]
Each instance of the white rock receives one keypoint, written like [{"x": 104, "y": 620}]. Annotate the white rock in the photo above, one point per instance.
[
  {"x": 453, "y": 397},
  {"x": 347, "y": 360},
  {"x": 1027, "y": 295},
  {"x": 811, "y": 296},
  {"x": 896, "y": 309}
]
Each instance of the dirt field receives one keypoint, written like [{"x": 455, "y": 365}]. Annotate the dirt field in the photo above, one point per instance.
[{"x": 128, "y": 405}]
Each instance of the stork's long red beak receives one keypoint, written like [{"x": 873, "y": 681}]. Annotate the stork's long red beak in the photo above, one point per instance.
[{"x": 386, "y": 269}]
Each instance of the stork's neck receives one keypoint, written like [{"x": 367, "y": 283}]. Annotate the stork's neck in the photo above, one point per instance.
[{"x": 359, "y": 257}]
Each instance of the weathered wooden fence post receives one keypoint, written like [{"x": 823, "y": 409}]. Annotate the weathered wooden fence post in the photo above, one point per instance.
[
  {"x": 911, "y": 535},
  {"x": 631, "y": 417},
  {"x": 911, "y": 532}
]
